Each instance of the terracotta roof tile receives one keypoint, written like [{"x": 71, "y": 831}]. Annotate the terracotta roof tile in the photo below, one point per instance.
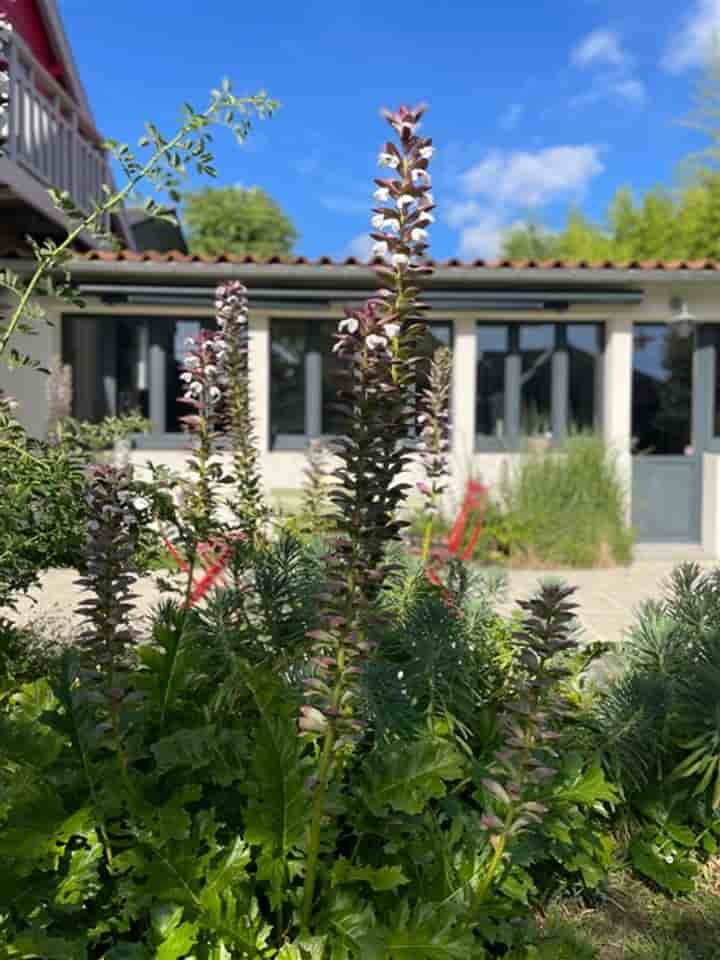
[{"x": 501, "y": 264}]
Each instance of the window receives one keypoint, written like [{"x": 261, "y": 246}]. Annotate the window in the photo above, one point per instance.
[
  {"x": 662, "y": 390},
  {"x": 306, "y": 377},
  {"x": 124, "y": 364},
  {"x": 536, "y": 379}
]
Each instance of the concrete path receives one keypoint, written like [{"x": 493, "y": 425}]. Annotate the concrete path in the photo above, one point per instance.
[{"x": 607, "y": 598}]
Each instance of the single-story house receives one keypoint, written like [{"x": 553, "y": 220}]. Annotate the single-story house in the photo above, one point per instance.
[{"x": 539, "y": 349}]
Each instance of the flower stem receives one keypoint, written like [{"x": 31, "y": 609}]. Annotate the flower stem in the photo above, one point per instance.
[{"x": 318, "y": 809}]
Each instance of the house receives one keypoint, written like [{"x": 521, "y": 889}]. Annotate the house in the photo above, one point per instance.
[
  {"x": 630, "y": 350},
  {"x": 50, "y": 137}
]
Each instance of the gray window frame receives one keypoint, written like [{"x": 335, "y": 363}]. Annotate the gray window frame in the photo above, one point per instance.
[
  {"x": 106, "y": 380},
  {"x": 284, "y": 442},
  {"x": 705, "y": 372},
  {"x": 513, "y": 439}
]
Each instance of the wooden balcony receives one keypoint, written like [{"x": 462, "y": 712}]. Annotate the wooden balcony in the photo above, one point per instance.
[{"x": 49, "y": 142}]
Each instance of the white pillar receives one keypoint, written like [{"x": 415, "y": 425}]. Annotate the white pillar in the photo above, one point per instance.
[
  {"x": 259, "y": 363},
  {"x": 617, "y": 397},
  {"x": 463, "y": 398}
]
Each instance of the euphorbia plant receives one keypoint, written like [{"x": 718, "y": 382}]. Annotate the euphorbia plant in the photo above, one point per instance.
[{"x": 378, "y": 342}]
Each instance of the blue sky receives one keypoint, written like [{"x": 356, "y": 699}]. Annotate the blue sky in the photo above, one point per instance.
[{"x": 533, "y": 105}]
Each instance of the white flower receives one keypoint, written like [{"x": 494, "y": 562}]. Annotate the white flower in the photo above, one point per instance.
[
  {"x": 195, "y": 389},
  {"x": 210, "y": 370},
  {"x": 392, "y": 329},
  {"x": 417, "y": 235},
  {"x": 427, "y": 152},
  {"x": 215, "y": 394},
  {"x": 421, "y": 176},
  {"x": 382, "y": 194},
  {"x": 189, "y": 341},
  {"x": 388, "y": 160},
  {"x": 379, "y": 249},
  {"x": 349, "y": 325},
  {"x": 192, "y": 363},
  {"x": 405, "y": 200},
  {"x": 429, "y": 198},
  {"x": 668, "y": 858},
  {"x": 186, "y": 377},
  {"x": 374, "y": 341},
  {"x": 140, "y": 503},
  {"x": 428, "y": 216},
  {"x": 381, "y": 222},
  {"x": 400, "y": 260},
  {"x": 400, "y": 674}
]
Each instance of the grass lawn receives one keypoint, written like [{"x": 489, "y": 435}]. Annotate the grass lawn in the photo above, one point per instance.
[{"x": 635, "y": 923}]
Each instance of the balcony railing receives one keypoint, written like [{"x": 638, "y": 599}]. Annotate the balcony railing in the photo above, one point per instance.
[{"x": 46, "y": 133}]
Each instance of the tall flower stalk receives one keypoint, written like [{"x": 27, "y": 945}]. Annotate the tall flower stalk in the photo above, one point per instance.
[
  {"x": 247, "y": 504},
  {"x": 434, "y": 441},
  {"x": 379, "y": 343},
  {"x": 109, "y": 556},
  {"x": 203, "y": 379}
]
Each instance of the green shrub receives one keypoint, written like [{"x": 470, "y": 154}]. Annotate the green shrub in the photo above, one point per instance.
[
  {"x": 658, "y": 728},
  {"x": 568, "y": 510}
]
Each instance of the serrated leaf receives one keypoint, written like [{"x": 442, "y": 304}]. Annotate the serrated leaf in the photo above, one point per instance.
[
  {"x": 81, "y": 882},
  {"x": 178, "y": 943},
  {"x": 406, "y": 776},
  {"x": 379, "y": 878},
  {"x": 430, "y": 932},
  {"x": 589, "y": 788}
]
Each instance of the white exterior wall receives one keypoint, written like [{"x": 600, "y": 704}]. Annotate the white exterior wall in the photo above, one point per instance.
[
  {"x": 283, "y": 470},
  {"x": 27, "y": 386}
]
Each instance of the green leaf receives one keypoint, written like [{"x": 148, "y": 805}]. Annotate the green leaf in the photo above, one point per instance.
[
  {"x": 379, "y": 878},
  {"x": 81, "y": 882},
  {"x": 589, "y": 788},
  {"x": 277, "y": 805},
  {"x": 430, "y": 932},
  {"x": 127, "y": 951},
  {"x": 406, "y": 776},
  {"x": 178, "y": 943},
  {"x": 676, "y": 876}
]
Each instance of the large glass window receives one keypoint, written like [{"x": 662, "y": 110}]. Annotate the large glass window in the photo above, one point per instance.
[
  {"x": 536, "y": 343},
  {"x": 662, "y": 390},
  {"x": 306, "y": 378},
  {"x": 493, "y": 348},
  {"x": 584, "y": 342},
  {"x": 536, "y": 379},
  {"x": 288, "y": 347},
  {"x": 129, "y": 364}
]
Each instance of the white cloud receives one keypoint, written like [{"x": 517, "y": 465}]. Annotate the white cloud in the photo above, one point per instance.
[
  {"x": 693, "y": 45},
  {"x": 512, "y": 116},
  {"x": 483, "y": 237},
  {"x": 360, "y": 247},
  {"x": 524, "y": 179},
  {"x": 501, "y": 188},
  {"x": 613, "y": 75},
  {"x": 626, "y": 89},
  {"x": 601, "y": 47}
]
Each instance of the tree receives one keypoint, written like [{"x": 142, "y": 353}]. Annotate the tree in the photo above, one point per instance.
[
  {"x": 239, "y": 221},
  {"x": 530, "y": 242}
]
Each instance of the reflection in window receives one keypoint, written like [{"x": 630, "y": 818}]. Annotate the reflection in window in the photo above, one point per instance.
[
  {"x": 334, "y": 377},
  {"x": 584, "y": 347},
  {"x": 492, "y": 348},
  {"x": 288, "y": 344},
  {"x": 536, "y": 342},
  {"x": 662, "y": 390},
  {"x": 177, "y": 333},
  {"x": 132, "y": 366}
]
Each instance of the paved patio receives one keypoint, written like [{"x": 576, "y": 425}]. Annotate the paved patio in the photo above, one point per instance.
[{"x": 607, "y": 598}]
